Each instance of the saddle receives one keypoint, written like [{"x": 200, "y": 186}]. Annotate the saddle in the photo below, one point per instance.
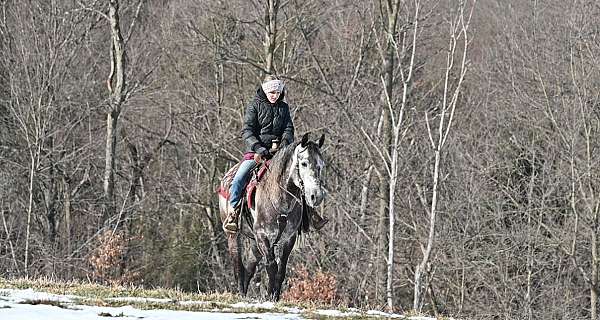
[
  {"x": 257, "y": 175},
  {"x": 249, "y": 191}
]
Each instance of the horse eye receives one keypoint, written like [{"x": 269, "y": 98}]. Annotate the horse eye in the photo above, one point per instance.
[{"x": 304, "y": 164}]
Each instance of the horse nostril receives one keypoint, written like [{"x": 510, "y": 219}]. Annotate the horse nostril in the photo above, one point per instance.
[{"x": 312, "y": 198}]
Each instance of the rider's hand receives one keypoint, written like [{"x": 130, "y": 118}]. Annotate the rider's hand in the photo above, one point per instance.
[{"x": 261, "y": 155}]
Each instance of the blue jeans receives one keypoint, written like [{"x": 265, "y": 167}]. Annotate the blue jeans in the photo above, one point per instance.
[{"x": 239, "y": 181}]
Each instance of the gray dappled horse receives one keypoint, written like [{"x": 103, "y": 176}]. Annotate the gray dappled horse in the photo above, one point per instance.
[{"x": 293, "y": 178}]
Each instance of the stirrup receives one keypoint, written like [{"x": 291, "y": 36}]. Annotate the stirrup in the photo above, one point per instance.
[
  {"x": 230, "y": 227},
  {"x": 231, "y": 222}
]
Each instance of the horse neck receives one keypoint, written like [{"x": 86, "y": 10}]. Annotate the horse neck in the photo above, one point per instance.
[{"x": 280, "y": 188}]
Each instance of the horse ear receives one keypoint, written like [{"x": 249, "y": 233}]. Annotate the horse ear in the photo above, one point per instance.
[
  {"x": 321, "y": 140},
  {"x": 304, "y": 140}
]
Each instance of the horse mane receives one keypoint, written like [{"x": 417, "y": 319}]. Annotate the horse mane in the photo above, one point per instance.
[
  {"x": 277, "y": 168},
  {"x": 272, "y": 184}
]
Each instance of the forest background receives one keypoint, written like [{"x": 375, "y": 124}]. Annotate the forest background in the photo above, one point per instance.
[{"x": 461, "y": 144}]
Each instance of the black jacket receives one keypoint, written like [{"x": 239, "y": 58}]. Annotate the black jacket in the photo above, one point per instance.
[{"x": 265, "y": 121}]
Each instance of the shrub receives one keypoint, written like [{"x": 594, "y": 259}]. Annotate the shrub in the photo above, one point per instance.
[
  {"x": 319, "y": 288},
  {"x": 108, "y": 257}
]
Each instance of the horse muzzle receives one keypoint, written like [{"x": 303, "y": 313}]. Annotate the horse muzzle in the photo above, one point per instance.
[{"x": 315, "y": 197}]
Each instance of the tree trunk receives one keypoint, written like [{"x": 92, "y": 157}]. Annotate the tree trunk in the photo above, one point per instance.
[
  {"x": 381, "y": 238},
  {"x": 51, "y": 194},
  {"x": 422, "y": 269},
  {"x": 109, "y": 166},
  {"x": 67, "y": 209},
  {"x": 29, "y": 212},
  {"x": 116, "y": 87},
  {"x": 364, "y": 194},
  {"x": 594, "y": 275},
  {"x": 392, "y": 221},
  {"x": 271, "y": 34},
  {"x": 389, "y": 138}
]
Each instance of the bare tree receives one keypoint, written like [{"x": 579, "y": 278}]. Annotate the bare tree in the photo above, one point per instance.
[
  {"x": 39, "y": 82},
  {"x": 116, "y": 83},
  {"x": 455, "y": 71}
]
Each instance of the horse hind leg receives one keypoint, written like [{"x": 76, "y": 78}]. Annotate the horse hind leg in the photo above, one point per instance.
[
  {"x": 235, "y": 254},
  {"x": 251, "y": 269}
]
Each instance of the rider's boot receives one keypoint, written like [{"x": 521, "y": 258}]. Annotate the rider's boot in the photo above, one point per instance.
[
  {"x": 231, "y": 222},
  {"x": 317, "y": 221}
]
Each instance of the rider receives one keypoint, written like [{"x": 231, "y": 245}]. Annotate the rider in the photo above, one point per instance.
[{"x": 267, "y": 126}]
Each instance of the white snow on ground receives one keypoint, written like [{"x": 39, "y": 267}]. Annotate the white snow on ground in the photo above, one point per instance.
[
  {"x": 15, "y": 304},
  {"x": 140, "y": 299}
]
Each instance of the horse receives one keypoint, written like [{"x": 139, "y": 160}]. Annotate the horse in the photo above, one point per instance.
[{"x": 293, "y": 179}]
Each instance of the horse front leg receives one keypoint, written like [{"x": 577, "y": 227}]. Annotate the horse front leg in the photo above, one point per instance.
[
  {"x": 268, "y": 252},
  {"x": 281, "y": 271}
]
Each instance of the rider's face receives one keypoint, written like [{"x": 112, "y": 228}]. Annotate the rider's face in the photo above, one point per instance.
[{"x": 273, "y": 96}]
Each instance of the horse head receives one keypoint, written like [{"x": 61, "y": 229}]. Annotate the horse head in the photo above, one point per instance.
[{"x": 308, "y": 173}]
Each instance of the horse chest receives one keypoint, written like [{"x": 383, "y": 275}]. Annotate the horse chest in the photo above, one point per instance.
[{"x": 279, "y": 226}]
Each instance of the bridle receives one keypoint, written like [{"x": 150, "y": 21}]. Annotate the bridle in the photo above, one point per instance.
[
  {"x": 301, "y": 186},
  {"x": 297, "y": 168}
]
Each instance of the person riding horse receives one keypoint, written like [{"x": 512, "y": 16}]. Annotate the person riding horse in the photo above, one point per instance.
[{"x": 267, "y": 127}]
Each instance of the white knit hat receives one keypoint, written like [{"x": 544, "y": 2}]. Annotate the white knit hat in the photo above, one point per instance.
[{"x": 273, "y": 85}]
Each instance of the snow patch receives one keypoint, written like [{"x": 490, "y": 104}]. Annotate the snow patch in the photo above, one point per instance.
[{"x": 141, "y": 299}]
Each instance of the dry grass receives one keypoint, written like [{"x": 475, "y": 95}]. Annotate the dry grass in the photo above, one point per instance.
[
  {"x": 95, "y": 291},
  {"x": 307, "y": 292}
]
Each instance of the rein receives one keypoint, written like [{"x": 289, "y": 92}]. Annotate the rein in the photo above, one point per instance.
[
  {"x": 283, "y": 188},
  {"x": 301, "y": 187}
]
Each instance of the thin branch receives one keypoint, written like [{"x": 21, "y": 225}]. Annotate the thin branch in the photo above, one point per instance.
[
  {"x": 96, "y": 11},
  {"x": 134, "y": 21}
]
